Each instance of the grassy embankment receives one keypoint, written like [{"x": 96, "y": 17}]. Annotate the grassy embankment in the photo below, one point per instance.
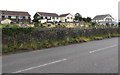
[{"x": 54, "y": 43}]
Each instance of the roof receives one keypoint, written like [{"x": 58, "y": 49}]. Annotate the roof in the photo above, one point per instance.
[
  {"x": 47, "y": 14},
  {"x": 19, "y": 13},
  {"x": 100, "y": 17},
  {"x": 64, "y": 15}
]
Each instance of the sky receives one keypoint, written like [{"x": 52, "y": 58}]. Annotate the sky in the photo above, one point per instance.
[{"x": 87, "y": 8}]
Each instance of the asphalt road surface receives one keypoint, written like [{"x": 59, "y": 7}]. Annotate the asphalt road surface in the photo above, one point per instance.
[{"x": 90, "y": 57}]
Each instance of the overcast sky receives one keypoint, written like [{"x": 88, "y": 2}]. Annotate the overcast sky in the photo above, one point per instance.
[{"x": 86, "y": 8}]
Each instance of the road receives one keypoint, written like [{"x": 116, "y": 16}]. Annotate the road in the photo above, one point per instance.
[{"x": 90, "y": 57}]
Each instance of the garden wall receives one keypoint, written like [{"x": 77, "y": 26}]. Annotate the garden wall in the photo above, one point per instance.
[{"x": 13, "y": 36}]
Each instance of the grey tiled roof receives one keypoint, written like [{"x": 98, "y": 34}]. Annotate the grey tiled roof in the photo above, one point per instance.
[
  {"x": 64, "y": 15},
  {"x": 19, "y": 13},
  {"x": 100, "y": 17},
  {"x": 48, "y": 14}
]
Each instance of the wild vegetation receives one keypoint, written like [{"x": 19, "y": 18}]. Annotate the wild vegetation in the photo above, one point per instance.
[{"x": 26, "y": 39}]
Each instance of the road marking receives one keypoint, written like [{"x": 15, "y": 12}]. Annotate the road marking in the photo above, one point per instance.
[
  {"x": 40, "y": 66},
  {"x": 103, "y": 48}
]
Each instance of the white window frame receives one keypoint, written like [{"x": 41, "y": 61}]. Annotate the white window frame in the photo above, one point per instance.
[
  {"x": 26, "y": 17},
  {"x": 20, "y": 17},
  {"x": 13, "y": 17},
  {"x": 6, "y": 16}
]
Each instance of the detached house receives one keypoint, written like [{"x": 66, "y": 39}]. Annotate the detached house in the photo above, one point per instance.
[
  {"x": 18, "y": 17},
  {"x": 47, "y": 17},
  {"x": 104, "y": 19},
  {"x": 66, "y": 17}
]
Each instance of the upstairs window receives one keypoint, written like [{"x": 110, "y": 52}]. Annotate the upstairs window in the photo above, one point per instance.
[
  {"x": 26, "y": 17},
  {"x": 41, "y": 17},
  {"x": 6, "y": 16},
  {"x": 67, "y": 17},
  {"x": 53, "y": 17},
  {"x": 45, "y": 17},
  {"x": 9, "y": 17},
  {"x": 20, "y": 17},
  {"x": 13, "y": 17},
  {"x": 3, "y": 16}
]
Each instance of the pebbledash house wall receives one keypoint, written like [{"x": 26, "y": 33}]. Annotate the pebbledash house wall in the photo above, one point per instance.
[
  {"x": 104, "y": 21},
  {"x": 56, "y": 19},
  {"x": 16, "y": 20},
  {"x": 62, "y": 19}
]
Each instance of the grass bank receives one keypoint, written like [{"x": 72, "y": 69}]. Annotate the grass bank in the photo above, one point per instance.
[{"x": 47, "y": 44}]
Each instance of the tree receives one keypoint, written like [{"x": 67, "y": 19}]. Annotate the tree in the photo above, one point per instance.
[
  {"x": 36, "y": 21},
  {"x": 84, "y": 19},
  {"x": 88, "y": 19},
  {"x": 78, "y": 17},
  {"x": 93, "y": 24}
]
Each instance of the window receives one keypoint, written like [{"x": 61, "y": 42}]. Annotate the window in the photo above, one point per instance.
[
  {"x": 41, "y": 17},
  {"x": 3, "y": 16},
  {"x": 108, "y": 19},
  {"x": 26, "y": 17},
  {"x": 45, "y": 17},
  {"x": 9, "y": 17},
  {"x": 13, "y": 17},
  {"x": 20, "y": 17},
  {"x": 23, "y": 17},
  {"x": 6, "y": 16},
  {"x": 71, "y": 18},
  {"x": 57, "y": 18},
  {"x": 48, "y": 17},
  {"x": 53, "y": 17},
  {"x": 67, "y": 17}
]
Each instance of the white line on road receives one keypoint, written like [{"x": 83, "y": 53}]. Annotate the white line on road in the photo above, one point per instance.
[
  {"x": 103, "y": 48},
  {"x": 40, "y": 66}
]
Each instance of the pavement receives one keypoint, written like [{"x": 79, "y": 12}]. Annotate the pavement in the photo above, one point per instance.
[{"x": 91, "y": 57}]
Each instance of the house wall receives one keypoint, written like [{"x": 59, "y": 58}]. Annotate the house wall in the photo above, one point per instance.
[
  {"x": 62, "y": 19},
  {"x": 108, "y": 17},
  {"x": 104, "y": 21},
  {"x": 17, "y": 19}
]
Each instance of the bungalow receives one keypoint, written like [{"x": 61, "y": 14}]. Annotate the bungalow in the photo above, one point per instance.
[
  {"x": 47, "y": 17},
  {"x": 104, "y": 19},
  {"x": 66, "y": 17},
  {"x": 18, "y": 17}
]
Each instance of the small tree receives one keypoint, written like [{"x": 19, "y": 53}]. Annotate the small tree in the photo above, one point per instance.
[
  {"x": 84, "y": 19},
  {"x": 88, "y": 19},
  {"x": 78, "y": 18},
  {"x": 36, "y": 22},
  {"x": 93, "y": 24}
]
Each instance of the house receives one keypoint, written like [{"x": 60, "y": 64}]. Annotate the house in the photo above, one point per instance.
[
  {"x": 106, "y": 19},
  {"x": 66, "y": 17},
  {"x": 16, "y": 17},
  {"x": 47, "y": 17}
]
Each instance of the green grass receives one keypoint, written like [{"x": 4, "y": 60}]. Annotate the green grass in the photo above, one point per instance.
[{"x": 48, "y": 44}]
